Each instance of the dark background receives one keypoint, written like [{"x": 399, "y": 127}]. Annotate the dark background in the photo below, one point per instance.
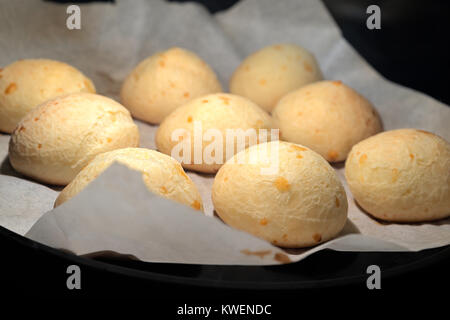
[{"x": 412, "y": 49}]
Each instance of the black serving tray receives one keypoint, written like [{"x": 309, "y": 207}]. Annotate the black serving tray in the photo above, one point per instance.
[{"x": 327, "y": 268}]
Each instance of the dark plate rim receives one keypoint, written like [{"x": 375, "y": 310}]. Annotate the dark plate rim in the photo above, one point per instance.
[{"x": 211, "y": 283}]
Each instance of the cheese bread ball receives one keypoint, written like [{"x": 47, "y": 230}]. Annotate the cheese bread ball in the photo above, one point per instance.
[
  {"x": 55, "y": 140},
  {"x": 301, "y": 204},
  {"x": 25, "y": 84},
  {"x": 401, "y": 175},
  {"x": 326, "y": 116},
  {"x": 165, "y": 81},
  {"x": 213, "y": 113},
  {"x": 162, "y": 175},
  {"x": 272, "y": 72}
]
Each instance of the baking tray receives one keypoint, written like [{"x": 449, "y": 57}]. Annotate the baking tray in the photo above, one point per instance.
[{"x": 323, "y": 269}]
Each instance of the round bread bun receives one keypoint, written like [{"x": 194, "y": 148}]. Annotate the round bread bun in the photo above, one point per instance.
[
  {"x": 165, "y": 81},
  {"x": 218, "y": 112},
  {"x": 401, "y": 175},
  {"x": 326, "y": 116},
  {"x": 55, "y": 140},
  {"x": 25, "y": 84},
  {"x": 300, "y": 205},
  {"x": 270, "y": 73},
  {"x": 162, "y": 175}
]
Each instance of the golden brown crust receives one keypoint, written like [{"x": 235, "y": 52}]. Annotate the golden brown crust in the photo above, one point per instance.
[
  {"x": 270, "y": 73},
  {"x": 220, "y": 112},
  {"x": 162, "y": 174},
  {"x": 25, "y": 84},
  {"x": 301, "y": 205},
  {"x": 327, "y": 116},
  {"x": 54, "y": 141},
  {"x": 401, "y": 175},
  {"x": 163, "y": 82}
]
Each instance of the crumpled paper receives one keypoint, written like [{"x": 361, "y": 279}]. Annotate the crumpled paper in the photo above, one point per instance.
[{"x": 116, "y": 212}]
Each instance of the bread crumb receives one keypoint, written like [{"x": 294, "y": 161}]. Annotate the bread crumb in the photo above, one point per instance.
[
  {"x": 337, "y": 202},
  {"x": 260, "y": 253},
  {"x": 362, "y": 159},
  {"x": 263, "y": 222},
  {"x": 317, "y": 237},
  {"x": 307, "y": 66},
  {"x": 186, "y": 95},
  {"x": 11, "y": 88},
  {"x": 282, "y": 184},
  {"x": 281, "y": 257},
  {"x": 225, "y": 100},
  {"x": 332, "y": 155},
  {"x": 163, "y": 190},
  {"x": 298, "y": 148},
  {"x": 196, "y": 205}
]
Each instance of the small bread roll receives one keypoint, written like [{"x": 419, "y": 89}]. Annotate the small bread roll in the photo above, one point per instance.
[
  {"x": 270, "y": 73},
  {"x": 211, "y": 114},
  {"x": 162, "y": 175},
  {"x": 165, "y": 81},
  {"x": 300, "y": 204},
  {"x": 25, "y": 84},
  {"x": 401, "y": 175},
  {"x": 55, "y": 140},
  {"x": 326, "y": 116}
]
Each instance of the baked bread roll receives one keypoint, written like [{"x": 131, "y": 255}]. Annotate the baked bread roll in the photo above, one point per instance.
[
  {"x": 25, "y": 84},
  {"x": 165, "y": 81},
  {"x": 270, "y": 73},
  {"x": 328, "y": 117},
  {"x": 401, "y": 175},
  {"x": 55, "y": 140},
  {"x": 211, "y": 114},
  {"x": 162, "y": 175},
  {"x": 300, "y": 204}
]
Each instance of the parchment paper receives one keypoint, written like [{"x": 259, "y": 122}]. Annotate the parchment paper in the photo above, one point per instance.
[{"x": 116, "y": 212}]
